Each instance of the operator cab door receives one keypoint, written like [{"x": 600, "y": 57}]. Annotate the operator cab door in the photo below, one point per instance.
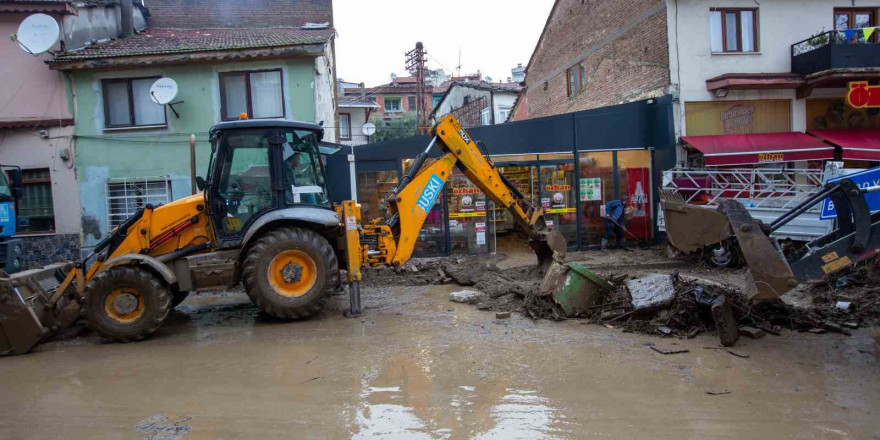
[{"x": 259, "y": 170}]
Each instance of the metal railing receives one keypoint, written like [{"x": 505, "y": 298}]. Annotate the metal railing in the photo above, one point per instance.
[
  {"x": 758, "y": 188},
  {"x": 830, "y": 37},
  {"x": 355, "y": 140}
]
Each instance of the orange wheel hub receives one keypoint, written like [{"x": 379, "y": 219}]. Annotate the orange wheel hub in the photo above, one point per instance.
[
  {"x": 292, "y": 273},
  {"x": 124, "y": 305}
]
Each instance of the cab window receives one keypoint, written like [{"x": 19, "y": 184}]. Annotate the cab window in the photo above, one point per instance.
[
  {"x": 303, "y": 170},
  {"x": 245, "y": 180}
]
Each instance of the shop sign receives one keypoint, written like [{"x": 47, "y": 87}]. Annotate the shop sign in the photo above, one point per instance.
[
  {"x": 545, "y": 202},
  {"x": 864, "y": 179},
  {"x": 467, "y": 214},
  {"x": 861, "y": 95},
  {"x": 481, "y": 206},
  {"x": 591, "y": 189},
  {"x": 467, "y": 200},
  {"x": 480, "y": 226},
  {"x": 771, "y": 157},
  {"x": 560, "y": 210},
  {"x": 460, "y": 191},
  {"x": 558, "y": 187}
]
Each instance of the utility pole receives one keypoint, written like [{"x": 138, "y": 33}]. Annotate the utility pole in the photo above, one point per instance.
[{"x": 415, "y": 65}]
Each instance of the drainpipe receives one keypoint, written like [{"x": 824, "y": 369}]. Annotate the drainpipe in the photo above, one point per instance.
[{"x": 126, "y": 18}]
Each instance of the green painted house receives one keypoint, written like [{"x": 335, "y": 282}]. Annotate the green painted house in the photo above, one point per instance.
[{"x": 131, "y": 151}]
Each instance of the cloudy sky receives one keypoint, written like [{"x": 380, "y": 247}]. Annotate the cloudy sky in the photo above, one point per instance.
[{"x": 492, "y": 35}]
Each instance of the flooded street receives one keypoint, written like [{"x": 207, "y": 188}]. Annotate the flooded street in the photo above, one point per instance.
[{"x": 419, "y": 366}]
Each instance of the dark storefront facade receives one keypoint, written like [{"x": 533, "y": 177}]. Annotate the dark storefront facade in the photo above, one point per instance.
[{"x": 569, "y": 164}]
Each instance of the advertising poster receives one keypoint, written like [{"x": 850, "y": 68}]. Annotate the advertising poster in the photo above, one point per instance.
[
  {"x": 638, "y": 189},
  {"x": 591, "y": 189}
]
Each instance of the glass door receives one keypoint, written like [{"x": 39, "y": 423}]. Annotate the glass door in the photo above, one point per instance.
[
  {"x": 557, "y": 197},
  {"x": 468, "y": 216}
]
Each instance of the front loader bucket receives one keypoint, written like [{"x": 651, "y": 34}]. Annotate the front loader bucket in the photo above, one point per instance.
[
  {"x": 690, "y": 228},
  {"x": 547, "y": 244},
  {"x": 28, "y": 311}
]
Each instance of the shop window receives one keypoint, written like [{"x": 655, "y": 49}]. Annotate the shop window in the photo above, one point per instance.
[
  {"x": 468, "y": 216},
  {"x": 557, "y": 194},
  {"x": 733, "y": 30},
  {"x": 392, "y": 104},
  {"x": 344, "y": 126},
  {"x": 126, "y": 196},
  {"x": 127, "y": 103},
  {"x": 575, "y": 79},
  {"x": 373, "y": 188},
  {"x": 257, "y": 93},
  {"x": 432, "y": 236},
  {"x": 596, "y": 181},
  {"x": 36, "y": 213}
]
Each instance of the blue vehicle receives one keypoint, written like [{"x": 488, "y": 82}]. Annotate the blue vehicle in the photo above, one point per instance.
[{"x": 10, "y": 192}]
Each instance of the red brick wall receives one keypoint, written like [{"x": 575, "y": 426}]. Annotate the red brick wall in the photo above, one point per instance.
[
  {"x": 237, "y": 13},
  {"x": 630, "y": 67}
]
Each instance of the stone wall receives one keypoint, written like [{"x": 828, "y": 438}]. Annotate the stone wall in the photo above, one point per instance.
[{"x": 41, "y": 250}]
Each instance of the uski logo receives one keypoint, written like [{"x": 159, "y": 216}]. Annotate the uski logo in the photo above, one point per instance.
[{"x": 429, "y": 194}]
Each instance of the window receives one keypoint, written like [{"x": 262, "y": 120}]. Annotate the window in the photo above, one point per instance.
[
  {"x": 504, "y": 112},
  {"x": 127, "y": 103},
  {"x": 258, "y": 93},
  {"x": 126, "y": 196},
  {"x": 411, "y": 103},
  {"x": 344, "y": 126},
  {"x": 303, "y": 170},
  {"x": 392, "y": 104},
  {"x": 847, "y": 18},
  {"x": 574, "y": 77},
  {"x": 733, "y": 30},
  {"x": 35, "y": 210},
  {"x": 485, "y": 118}
]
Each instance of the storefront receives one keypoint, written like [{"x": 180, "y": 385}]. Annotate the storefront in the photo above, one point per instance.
[{"x": 571, "y": 165}]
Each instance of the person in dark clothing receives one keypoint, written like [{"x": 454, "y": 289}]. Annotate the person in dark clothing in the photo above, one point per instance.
[{"x": 614, "y": 223}]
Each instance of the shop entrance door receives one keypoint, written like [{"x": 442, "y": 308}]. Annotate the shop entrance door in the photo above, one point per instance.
[{"x": 557, "y": 197}]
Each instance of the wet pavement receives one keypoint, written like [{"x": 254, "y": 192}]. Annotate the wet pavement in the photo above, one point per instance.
[{"x": 419, "y": 366}]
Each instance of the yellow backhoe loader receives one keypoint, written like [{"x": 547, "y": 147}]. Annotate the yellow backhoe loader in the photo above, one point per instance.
[{"x": 263, "y": 218}]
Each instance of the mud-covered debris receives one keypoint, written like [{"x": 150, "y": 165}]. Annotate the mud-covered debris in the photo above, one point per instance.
[
  {"x": 502, "y": 315},
  {"x": 752, "y": 332},
  {"x": 717, "y": 392},
  {"x": 465, "y": 296},
  {"x": 852, "y": 325},
  {"x": 652, "y": 291},
  {"x": 664, "y": 351}
]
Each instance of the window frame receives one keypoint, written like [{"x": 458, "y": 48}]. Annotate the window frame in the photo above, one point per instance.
[
  {"x": 164, "y": 180},
  {"x": 248, "y": 98},
  {"x": 348, "y": 118},
  {"x": 739, "y": 45},
  {"x": 105, "y": 82},
  {"x": 851, "y": 16},
  {"x": 31, "y": 181},
  {"x": 411, "y": 102},
  {"x": 568, "y": 83},
  {"x": 393, "y": 98}
]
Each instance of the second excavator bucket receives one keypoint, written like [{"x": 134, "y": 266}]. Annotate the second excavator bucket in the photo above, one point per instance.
[
  {"x": 30, "y": 310},
  {"x": 546, "y": 245},
  {"x": 689, "y": 228}
]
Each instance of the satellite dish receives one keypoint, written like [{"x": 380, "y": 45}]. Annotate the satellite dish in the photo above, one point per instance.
[
  {"x": 163, "y": 91},
  {"x": 369, "y": 128},
  {"x": 37, "y": 34}
]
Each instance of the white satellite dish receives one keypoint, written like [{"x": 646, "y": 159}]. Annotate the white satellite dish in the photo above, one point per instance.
[
  {"x": 369, "y": 128},
  {"x": 163, "y": 91},
  {"x": 37, "y": 34}
]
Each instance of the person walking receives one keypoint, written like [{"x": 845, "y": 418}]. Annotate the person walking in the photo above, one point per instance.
[{"x": 615, "y": 211}]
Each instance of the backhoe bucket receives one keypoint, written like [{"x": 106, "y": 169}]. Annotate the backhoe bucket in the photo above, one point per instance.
[
  {"x": 547, "y": 244},
  {"x": 29, "y": 310},
  {"x": 690, "y": 228}
]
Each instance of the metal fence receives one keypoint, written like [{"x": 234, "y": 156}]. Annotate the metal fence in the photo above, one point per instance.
[
  {"x": 761, "y": 187},
  {"x": 355, "y": 140},
  {"x": 126, "y": 196}
]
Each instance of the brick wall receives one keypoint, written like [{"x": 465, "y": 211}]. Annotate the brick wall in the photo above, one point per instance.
[
  {"x": 621, "y": 45},
  {"x": 237, "y": 13}
]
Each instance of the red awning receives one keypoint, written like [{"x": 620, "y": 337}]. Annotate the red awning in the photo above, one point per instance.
[
  {"x": 856, "y": 144},
  {"x": 749, "y": 149}
]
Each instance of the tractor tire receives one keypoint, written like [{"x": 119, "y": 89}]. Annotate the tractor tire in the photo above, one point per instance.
[
  {"x": 289, "y": 272},
  {"x": 126, "y": 304}
]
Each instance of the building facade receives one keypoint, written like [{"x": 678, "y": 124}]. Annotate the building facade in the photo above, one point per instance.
[
  {"x": 132, "y": 151},
  {"x": 478, "y": 103},
  {"x": 37, "y": 123}
]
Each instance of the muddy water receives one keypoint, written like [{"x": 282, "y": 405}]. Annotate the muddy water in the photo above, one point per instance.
[{"x": 418, "y": 366}]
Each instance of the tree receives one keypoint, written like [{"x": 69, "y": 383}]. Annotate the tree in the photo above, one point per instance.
[{"x": 394, "y": 128}]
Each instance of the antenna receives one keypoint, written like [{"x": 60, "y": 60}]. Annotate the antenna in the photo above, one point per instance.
[
  {"x": 163, "y": 91},
  {"x": 37, "y": 34},
  {"x": 458, "y": 67}
]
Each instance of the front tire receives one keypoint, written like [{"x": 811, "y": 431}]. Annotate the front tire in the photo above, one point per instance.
[
  {"x": 126, "y": 304},
  {"x": 288, "y": 273},
  {"x": 722, "y": 255}
]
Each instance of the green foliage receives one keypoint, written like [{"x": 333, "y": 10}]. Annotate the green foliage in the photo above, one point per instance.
[{"x": 394, "y": 128}]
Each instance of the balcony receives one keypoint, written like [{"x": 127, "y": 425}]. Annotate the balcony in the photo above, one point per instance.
[{"x": 833, "y": 50}]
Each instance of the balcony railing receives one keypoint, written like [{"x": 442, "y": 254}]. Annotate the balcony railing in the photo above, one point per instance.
[
  {"x": 833, "y": 50},
  {"x": 355, "y": 140}
]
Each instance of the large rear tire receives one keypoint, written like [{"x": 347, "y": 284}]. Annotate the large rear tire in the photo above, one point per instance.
[
  {"x": 289, "y": 272},
  {"x": 126, "y": 304}
]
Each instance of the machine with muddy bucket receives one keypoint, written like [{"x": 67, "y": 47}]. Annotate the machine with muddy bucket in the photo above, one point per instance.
[{"x": 728, "y": 234}]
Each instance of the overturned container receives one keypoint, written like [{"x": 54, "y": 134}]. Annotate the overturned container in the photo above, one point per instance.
[{"x": 573, "y": 287}]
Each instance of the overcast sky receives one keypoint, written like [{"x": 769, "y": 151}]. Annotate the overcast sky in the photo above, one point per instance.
[{"x": 493, "y": 35}]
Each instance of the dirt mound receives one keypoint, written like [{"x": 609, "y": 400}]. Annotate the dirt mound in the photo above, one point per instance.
[{"x": 859, "y": 286}]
